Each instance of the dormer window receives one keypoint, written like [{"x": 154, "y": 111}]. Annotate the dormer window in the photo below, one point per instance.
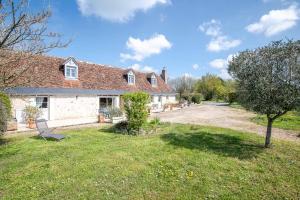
[
  {"x": 71, "y": 69},
  {"x": 71, "y": 72},
  {"x": 131, "y": 78},
  {"x": 153, "y": 80}
]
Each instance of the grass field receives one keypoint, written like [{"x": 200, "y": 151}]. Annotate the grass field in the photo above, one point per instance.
[
  {"x": 289, "y": 121},
  {"x": 181, "y": 162}
]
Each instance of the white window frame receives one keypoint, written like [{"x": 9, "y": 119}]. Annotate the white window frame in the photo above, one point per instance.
[
  {"x": 131, "y": 78},
  {"x": 153, "y": 81},
  {"x": 69, "y": 76}
]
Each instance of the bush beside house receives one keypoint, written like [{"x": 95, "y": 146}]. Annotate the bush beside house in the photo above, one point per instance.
[
  {"x": 5, "y": 112},
  {"x": 135, "y": 106},
  {"x": 3, "y": 118}
]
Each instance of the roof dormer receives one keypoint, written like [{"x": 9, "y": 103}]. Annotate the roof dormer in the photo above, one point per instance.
[
  {"x": 71, "y": 69},
  {"x": 153, "y": 80},
  {"x": 130, "y": 77}
]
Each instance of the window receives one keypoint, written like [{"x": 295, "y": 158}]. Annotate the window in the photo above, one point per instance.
[
  {"x": 106, "y": 103},
  {"x": 153, "y": 81},
  {"x": 167, "y": 97},
  {"x": 41, "y": 102},
  {"x": 71, "y": 72},
  {"x": 131, "y": 78}
]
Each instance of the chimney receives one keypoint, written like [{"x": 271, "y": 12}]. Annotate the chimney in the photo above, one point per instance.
[{"x": 164, "y": 75}]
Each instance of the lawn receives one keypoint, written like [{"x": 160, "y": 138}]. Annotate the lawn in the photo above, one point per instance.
[
  {"x": 180, "y": 162},
  {"x": 289, "y": 121}
]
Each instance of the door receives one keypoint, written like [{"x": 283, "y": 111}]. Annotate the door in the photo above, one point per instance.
[{"x": 43, "y": 104}]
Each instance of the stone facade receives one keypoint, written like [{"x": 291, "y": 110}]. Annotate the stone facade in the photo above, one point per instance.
[{"x": 74, "y": 107}]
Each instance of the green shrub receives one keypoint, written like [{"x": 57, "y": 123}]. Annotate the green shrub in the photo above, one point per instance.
[
  {"x": 121, "y": 127},
  {"x": 197, "y": 98},
  {"x": 3, "y": 118},
  {"x": 7, "y": 103},
  {"x": 135, "y": 105},
  {"x": 232, "y": 97},
  {"x": 187, "y": 97}
]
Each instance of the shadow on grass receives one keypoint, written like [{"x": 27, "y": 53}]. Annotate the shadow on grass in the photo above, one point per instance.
[
  {"x": 3, "y": 141},
  {"x": 36, "y": 137},
  {"x": 221, "y": 144}
]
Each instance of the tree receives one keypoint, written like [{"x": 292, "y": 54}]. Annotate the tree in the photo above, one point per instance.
[
  {"x": 23, "y": 35},
  {"x": 183, "y": 84},
  {"x": 135, "y": 105},
  {"x": 211, "y": 87},
  {"x": 268, "y": 79}
]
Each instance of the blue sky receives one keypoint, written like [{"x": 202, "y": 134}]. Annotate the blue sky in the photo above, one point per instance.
[{"x": 188, "y": 37}]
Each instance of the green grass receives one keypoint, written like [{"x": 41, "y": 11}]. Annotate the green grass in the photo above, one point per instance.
[
  {"x": 182, "y": 162},
  {"x": 289, "y": 121},
  {"x": 236, "y": 105}
]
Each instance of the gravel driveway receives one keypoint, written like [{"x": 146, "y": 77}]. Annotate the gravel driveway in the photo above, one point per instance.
[{"x": 221, "y": 115}]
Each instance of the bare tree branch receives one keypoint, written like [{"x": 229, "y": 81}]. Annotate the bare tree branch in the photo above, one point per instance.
[{"x": 23, "y": 35}]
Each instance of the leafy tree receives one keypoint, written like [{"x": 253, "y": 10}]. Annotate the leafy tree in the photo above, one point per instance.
[
  {"x": 268, "y": 79},
  {"x": 135, "y": 105},
  {"x": 23, "y": 35},
  {"x": 211, "y": 87}
]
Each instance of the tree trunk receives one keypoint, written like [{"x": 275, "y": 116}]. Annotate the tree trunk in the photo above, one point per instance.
[{"x": 269, "y": 132}]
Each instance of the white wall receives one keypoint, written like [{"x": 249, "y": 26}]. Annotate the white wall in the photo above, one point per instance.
[
  {"x": 172, "y": 99},
  {"x": 18, "y": 104},
  {"x": 164, "y": 100},
  {"x": 69, "y": 107},
  {"x": 72, "y": 107},
  {"x": 63, "y": 107}
]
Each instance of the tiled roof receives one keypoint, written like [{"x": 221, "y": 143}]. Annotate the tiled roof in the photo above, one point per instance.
[{"x": 49, "y": 73}]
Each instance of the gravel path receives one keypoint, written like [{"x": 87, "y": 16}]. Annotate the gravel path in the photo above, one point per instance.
[{"x": 221, "y": 115}]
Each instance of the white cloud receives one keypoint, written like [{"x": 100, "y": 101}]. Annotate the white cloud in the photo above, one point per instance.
[
  {"x": 142, "y": 49},
  {"x": 211, "y": 28},
  {"x": 222, "y": 43},
  {"x": 149, "y": 69},
  {"x": 267, "y": 1},
  {"x": 224, "y": 74},
  {"x": 195, "y": 66},
  {"x": 145, "y": 68},
  {"x": 219, "y": 41},
  {"x": 135, "y": 67},
  {"x": 222, "y": 65},
  {"x": 276, "y": 21},
  {"x": 116, "y": 10},
  {"x": 218, "y": 63}
]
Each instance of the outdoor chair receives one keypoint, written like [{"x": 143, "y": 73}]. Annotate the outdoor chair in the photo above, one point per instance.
[{"x": 45, "y": 132}]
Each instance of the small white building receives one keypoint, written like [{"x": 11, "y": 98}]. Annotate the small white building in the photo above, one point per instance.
[{"x": 75, "y": 91}]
